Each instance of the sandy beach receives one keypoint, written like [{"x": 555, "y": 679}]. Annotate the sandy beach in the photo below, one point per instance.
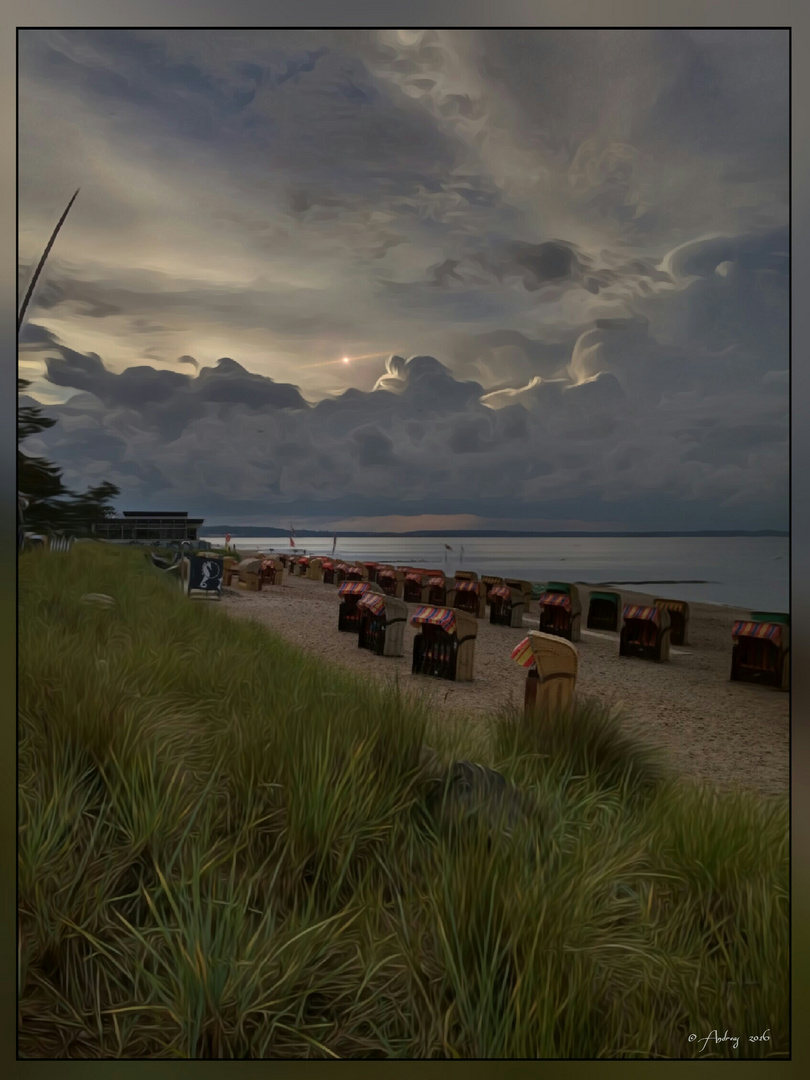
[{"x": 712, "y": 728}]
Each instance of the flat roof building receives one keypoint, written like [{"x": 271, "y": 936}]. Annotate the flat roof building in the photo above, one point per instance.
[{"x": 150, "y": 525}]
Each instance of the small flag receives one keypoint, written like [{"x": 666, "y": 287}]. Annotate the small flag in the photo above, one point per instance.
[
  {"x": 447, "y": 547},
  {"x": 334, "y": 543},
  {"x": 292, "y": 542}
]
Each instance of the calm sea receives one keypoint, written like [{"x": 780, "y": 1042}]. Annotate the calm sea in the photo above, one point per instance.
[{"x": 742, "y": 571}]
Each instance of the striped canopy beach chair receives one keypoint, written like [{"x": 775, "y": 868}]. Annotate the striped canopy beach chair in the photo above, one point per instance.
[
  {"x": 761, "y": 652},
  {"x": 506, "y": 606},
  {"x": 445, "y": 644},
  {"x": 645, "y": 633},
  {"x": 350, "y": 593},
  {"x": 560, "y": 610},
  {"x": 466, "y": 594}
]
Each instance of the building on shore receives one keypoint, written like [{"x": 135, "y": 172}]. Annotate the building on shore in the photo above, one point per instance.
[{"x": 147, "y": 526}]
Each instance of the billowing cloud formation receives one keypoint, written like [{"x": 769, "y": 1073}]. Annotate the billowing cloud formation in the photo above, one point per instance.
[{"x": 578, "y": 238}]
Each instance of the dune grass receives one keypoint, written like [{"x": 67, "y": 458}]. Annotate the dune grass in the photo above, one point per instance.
[{"x": 226, "y": 850}]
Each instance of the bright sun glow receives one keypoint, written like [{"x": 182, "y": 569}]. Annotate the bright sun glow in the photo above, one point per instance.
[{"x": 345, "y": 359}]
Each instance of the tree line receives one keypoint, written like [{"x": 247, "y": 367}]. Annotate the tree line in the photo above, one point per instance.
[{"x": 53, "y": 507}]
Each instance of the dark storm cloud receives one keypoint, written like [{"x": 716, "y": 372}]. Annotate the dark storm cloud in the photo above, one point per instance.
[
  {"x": 235, "y": 437},
  {"x": 579, "y": 238}
]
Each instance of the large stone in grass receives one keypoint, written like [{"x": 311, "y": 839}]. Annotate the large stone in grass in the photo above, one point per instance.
[{"x": 467, "y": 790}]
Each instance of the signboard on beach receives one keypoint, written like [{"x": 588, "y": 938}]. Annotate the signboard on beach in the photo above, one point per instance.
[{"x": 205, "y": 575}]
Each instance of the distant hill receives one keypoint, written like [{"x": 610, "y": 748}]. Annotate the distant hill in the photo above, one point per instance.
[{"x": 266, "y": 530}]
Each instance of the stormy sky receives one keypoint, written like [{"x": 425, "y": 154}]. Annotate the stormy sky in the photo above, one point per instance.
[{"x": 557, "y": 262}]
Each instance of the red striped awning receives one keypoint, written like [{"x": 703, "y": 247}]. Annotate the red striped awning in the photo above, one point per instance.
[
  {"x": 463, "y": 585},
  {"x": 435, "y": 616},
  {"x": 387, "y": 573},
  {"x": 414, "y": 577},
  {"x": 503, "y": 591},
  {"x": 768, "y": 631},
  {"x": 634, "y": 611},
  {"x": 341, "y": 566},
  {"x": 436, "y": 581},
  {"x": 671, "y": 605},
  {"x": 373, "y": 602},
  {"x": 327, "y": 565},
  {"x": 489, "y": 580},
  {"x": 555, "y": 599},
  {"x": 353, "y": 588},
  {"x": 523, "y": 654}
]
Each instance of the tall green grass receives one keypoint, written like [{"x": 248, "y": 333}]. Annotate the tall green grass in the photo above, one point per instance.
[{"x": 227, "y": 848}]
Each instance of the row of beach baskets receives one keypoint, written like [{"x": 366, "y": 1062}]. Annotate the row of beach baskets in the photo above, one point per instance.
[{"x": 374, "y": 605}]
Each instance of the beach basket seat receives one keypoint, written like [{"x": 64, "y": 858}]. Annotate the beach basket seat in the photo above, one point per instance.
[
  {"x": 761, "y": 652},
  {"x": 645, "y": 633},
  {"x": 382, "y": 624},
  {"x": 678, "y": 620},
  {"x": 301, "y": 566},
  {"x": 560, "y": 611},
  {"x": 603, "y": 611},
  {"x": 437, "y": 590},
  {"x": 391, "y": 581},
  {"x": 489, "y": 581},
  {"x": 371, "y": 569},
  {"x": 465, "y": 575},
  {"x": 506, "y": 606},
  {"x": 230, "y": 570},
  {"x": 356, "y": 572},
  {"x": 250, "y": 574},
  {"x": 467, "y": 595},
  {"x": 315, "y": 569},
  {"x": 350, "y": 593},
  {"x": 328, "y": 568},
  {"x": 272, "y": 571},
  {"x": 551, "y": 676},
  {"x": 445, "y": 644},
  {"x": 525, "y": 587},
  {"x": 415, "y": 587}
]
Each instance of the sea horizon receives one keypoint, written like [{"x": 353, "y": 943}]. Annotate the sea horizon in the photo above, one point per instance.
[{"x": 745, "y": 571}]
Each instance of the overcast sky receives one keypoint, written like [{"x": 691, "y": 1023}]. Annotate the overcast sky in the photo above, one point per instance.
[{"x": 556, "y": 260}]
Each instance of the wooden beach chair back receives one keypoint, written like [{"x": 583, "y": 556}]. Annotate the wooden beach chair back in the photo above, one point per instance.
[
  {"x": 465, "y": 575},
  {"x": 552, "y": 664},
  {"x": 315, "y": 569},
  {"x": 391, "y": 581},
  {"x": 250, "y": 574},
  {"x": 604, "y": 610},
  {"x": 761, "y": 652},
  {"x": 678, "y": 620},
  {"x": 525, "y": 587}
]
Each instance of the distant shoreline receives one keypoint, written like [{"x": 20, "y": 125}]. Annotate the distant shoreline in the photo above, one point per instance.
[{"x": 257, "y": 530}]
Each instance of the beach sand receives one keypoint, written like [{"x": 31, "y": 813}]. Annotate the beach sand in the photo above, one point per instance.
[{"x": 726, "y": 732}]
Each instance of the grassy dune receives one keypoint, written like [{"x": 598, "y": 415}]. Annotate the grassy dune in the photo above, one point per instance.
[{"x": 228, "y": 849}]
